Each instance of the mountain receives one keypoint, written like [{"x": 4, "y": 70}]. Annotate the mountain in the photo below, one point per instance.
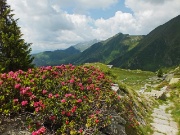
[
  {"x": 108, "y": 50},
  {"x": 85, "y": 45},
  {"x": 160, "y": 48},
  {"x": 54, "y": 57}
]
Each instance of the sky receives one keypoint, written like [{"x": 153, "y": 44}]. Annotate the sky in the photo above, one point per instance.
[{"x": 59, "y": 24}]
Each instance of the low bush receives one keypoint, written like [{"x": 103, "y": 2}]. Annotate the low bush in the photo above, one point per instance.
[{"x": 64, "y": 99}]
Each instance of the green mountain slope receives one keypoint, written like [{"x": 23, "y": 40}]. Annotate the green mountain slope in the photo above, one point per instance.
[
  {"x": 85, "y": 45},
  {"x": 160, "y": 48},
  {"x": 108, "y": 50},
  {"x": 54, "y": 57}
]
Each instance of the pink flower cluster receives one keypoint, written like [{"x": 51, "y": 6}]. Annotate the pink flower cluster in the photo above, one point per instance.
[
  {"x": 57, "y": 94},
  {"x": 42, "y": 130},
  {"x": 38, "y": 106}
]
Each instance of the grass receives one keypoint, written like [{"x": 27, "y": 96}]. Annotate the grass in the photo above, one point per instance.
[
  {"x": 129, "y": 81},
  {"x": 134, "y": 78},
  {"x": 175, "y": 98}
]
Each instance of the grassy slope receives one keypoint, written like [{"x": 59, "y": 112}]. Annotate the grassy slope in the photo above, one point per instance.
[
  {"x": 56, "y": 57},
  {"x": 109, "y": 49},
  {"x": 135, "y": 80},
  {"x": 175, "y": 97},
  {"x": 160, "y": 48}
]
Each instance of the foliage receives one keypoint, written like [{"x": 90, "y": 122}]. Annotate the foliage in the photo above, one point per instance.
[
  {"x": 14, "y": 51},
  {"x": 62, "y": 99},
  {"x": 53, "y": 58},
  {"x": 104, "y": 51},
  {"x": 175, "y": 94},
  {"x": 160, "y": 73}
]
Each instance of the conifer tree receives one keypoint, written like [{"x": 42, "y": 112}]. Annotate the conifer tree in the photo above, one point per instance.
[{"x": 14, "y": 51}]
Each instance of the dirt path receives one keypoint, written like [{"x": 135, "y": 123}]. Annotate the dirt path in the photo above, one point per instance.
[{"x": 163, "y": 123}]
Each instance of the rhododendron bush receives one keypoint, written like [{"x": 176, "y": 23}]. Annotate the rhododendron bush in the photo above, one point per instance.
[{"x": 62, "y": 99}]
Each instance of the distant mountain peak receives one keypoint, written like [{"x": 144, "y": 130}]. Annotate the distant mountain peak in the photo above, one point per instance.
[{"x": 85, "y": 45}]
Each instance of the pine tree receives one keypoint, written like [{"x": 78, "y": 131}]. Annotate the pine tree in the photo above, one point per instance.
[{"x": 14, "y": 51}]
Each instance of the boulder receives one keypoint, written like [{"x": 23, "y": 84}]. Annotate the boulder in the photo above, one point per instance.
[{"x": 117, "y": 127}]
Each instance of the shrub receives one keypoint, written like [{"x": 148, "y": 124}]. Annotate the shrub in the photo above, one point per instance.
[
  {"x": 62, "y": 99},
  {"x": 160, "y": 73}
]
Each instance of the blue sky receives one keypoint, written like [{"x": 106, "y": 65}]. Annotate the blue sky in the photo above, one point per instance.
[
  {"x": 58, "y": 24},
  {"x": 106, "y": 12}
]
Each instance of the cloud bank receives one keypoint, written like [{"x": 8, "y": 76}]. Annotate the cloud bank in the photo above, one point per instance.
[{"x": 49, "y": 25}]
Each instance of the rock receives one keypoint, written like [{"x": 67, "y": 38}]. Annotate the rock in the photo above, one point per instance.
[
  {"x": 115, "y": 87},
  {"x": 174, "y": 80},
  {"x": 169, "y": 77},
  {"x": 116, "y": 128},
  {"x": 17, "y": 133},
  {"x": 163, "y": 88},
  {"x": 109, "y": 66}
]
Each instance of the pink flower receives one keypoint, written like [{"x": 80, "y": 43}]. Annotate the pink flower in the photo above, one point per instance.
[
  {"x": 80, "y": 84},
  {"x": 97, "y": 112},
  {"x": 4, "y": 75},
  {"x": 68, "y": 95},
  {"x": 23, "y": 91},
  {"x": 68, "y": 114},
  {"x": 36, "y": 104},
  {"x": 27, "y": 88},
  {"x": 32, "y": 80},
  {"x": 63, "y": 83},
  {"x": 17, "y": 86},
  {"x": 82, "y": 88},
  {"x": 44, "y": 91},
  {"x": 87, "y": 87},
  {"x": 80, "y": 130},
  {"x": 40, "y": 131},
  {"x": 23, "y": 103},
  {"x": 35, "y": 133},
  {"x": 50, "y": 95},
  {"x": 31, "y": 95},
  {"x": 63, "y": 101},
  {"x": 73, "y": 109},
  {"x": 52, "y": 118},
  {"x": 96, "y": 121},
  {"x": 63, "y": 112},
  {"x": 15, "y": 100},
  {"x": 43, "y": 77},
  {"x": 56, "y": 96},
  {"x": 79, "y": 100},
  {"x": 71, "y": 81},
  {"x": 67, "y": 122},
  {"x": 97, "y": 89},
  {"x": 18, "y": 79},
  {"x": 37, "y": 109}
]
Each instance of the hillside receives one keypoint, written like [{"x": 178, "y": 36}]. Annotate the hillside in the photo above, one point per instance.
[
  {"x": 54, "y": 57},
  {"x": 85, "y": 45},
  {"x": 108, "y": 50},
  {"x": 160, "y": 48}
]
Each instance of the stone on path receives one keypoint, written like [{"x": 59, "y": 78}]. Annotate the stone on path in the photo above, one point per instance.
[{"x": 163, "y": 123}]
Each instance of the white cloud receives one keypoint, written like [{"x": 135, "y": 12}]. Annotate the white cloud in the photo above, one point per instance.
[
  {"x": 152, "y": 13},
  {"x": 49, "y": 27}
]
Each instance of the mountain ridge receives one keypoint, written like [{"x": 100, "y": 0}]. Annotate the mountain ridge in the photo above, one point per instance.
[{"x": 160, "y": 48}]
